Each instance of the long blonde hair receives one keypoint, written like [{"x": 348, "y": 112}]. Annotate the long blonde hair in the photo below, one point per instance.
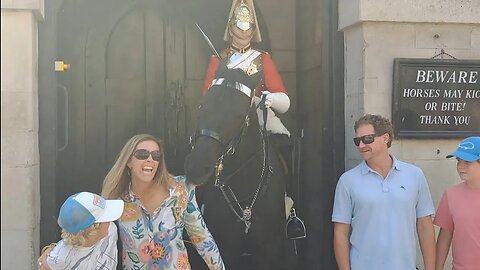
[{"x": 117, "y": 180}]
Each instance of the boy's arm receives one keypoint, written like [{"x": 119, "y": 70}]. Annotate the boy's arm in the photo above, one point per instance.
[
  {"x": 341, "y": 245},
  {"x": 42, "y": 260},
  {"x": 443, "y": 246},
  {"x": 426, "y": 237}
]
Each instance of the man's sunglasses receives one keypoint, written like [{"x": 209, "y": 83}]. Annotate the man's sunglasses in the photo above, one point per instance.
[
  {"x": 143, "y": 154},
  {"x": 366, "y": 139}
]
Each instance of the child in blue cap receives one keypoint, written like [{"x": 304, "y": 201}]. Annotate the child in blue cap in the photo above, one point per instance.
[
  {"x": 458, "y": 213},
  {"x": 89, "y": 237}
]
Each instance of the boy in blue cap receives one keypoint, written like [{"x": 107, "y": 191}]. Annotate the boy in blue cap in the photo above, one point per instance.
[
  {"x": 458, "y": 213},
  {"x": 89, "y": 237}
]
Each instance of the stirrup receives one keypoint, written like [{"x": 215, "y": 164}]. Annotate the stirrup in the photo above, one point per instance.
[{"x": 295, "y": 228}]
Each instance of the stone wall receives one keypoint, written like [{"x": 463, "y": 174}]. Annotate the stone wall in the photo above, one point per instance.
[
  {"x": 376, "y": 32},
  {"x": 19, "y": 134}
]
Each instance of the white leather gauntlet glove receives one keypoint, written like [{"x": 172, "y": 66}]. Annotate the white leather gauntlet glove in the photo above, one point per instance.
[{"x": 277, "y": 101}]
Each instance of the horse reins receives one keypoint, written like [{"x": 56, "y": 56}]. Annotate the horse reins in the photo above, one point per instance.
[{"x": 245, "y": 214}]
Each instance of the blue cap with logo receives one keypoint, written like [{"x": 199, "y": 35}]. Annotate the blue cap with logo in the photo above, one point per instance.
[
  {"x": 468, "y": 150},
  {"x": 83, "y": 209}
]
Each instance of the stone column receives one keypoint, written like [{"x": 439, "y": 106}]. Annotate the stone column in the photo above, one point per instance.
[{"x": 19, "y": 134}]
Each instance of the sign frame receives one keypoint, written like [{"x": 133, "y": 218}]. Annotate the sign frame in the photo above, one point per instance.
[{"x": 405, "y": 119}]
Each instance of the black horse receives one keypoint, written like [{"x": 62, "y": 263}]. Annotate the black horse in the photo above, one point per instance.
[{"x": 243, "y": 181}]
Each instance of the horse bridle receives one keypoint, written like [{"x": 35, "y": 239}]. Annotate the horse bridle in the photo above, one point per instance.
[{"x": 229, "y": 149}]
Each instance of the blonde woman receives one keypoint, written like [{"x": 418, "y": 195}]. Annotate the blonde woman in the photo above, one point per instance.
[
  {"x": 158, "y": 206},
  {"x": 89, "y": 237}
]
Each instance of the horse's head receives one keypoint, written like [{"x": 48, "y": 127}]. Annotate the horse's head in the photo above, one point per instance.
[{"x": 222, "y": 117}]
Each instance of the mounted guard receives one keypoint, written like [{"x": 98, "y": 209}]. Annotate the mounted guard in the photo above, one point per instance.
[{"x": 245, "y": 208}]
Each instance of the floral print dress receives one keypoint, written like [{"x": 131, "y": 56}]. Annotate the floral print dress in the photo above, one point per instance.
[{"x": 154, "y": 241}]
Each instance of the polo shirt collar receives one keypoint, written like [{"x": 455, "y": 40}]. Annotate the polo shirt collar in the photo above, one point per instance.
[{"x": 366, "y": 169}]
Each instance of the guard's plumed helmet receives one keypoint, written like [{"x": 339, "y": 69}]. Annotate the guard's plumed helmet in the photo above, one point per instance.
[{"x": 242, "y": 14}]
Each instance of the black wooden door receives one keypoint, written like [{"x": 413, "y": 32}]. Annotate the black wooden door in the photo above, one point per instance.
[{"x": 134, "y": 68}]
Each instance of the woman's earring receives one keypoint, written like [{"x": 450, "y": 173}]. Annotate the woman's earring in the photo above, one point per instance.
[{"x": 128, "y": 172}]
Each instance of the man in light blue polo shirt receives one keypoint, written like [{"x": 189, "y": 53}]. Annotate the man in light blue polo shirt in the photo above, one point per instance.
[{"x": 380, "y": 205}]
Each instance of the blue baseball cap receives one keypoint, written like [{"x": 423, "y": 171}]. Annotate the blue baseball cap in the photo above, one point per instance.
[
  {"x": 83, "y": 209},
  {"x": 468, "y": 149}
]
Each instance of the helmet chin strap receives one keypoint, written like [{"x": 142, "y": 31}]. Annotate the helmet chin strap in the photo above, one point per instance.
[{"x": 238, "y": 40}]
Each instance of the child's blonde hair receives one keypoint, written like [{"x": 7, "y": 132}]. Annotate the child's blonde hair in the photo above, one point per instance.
[{"x": 78, "y": 239}]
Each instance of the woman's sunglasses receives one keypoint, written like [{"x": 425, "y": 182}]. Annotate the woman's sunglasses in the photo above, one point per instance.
[
  {"x": 143, "y": 154},
  {"x": 366, "y": 139}
]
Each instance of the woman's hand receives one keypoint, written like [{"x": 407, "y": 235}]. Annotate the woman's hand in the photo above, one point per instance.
[{"x": 42, "y": 260}]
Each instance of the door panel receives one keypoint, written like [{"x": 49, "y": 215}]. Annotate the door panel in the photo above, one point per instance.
[
  {"x": 125, "y": 113},
  {"x": 126, "y": 47},
  {"x": 127, "y": 77}
]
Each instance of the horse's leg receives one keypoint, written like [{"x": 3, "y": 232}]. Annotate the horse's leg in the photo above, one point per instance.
[
  {"x": 268, "y": 247},
  {"x": 270, "y": 237},
  {"x": 227, "y": 232}
]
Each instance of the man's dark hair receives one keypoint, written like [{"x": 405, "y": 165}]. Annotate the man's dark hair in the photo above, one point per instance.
[{"x": 380, "y": 124}]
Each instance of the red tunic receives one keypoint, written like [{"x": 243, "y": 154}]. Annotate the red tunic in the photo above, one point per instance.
[{"x": 271, "y": 78}]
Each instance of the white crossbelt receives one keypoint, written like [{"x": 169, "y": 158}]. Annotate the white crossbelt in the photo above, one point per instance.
[{"x": 239, "y": 86}]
